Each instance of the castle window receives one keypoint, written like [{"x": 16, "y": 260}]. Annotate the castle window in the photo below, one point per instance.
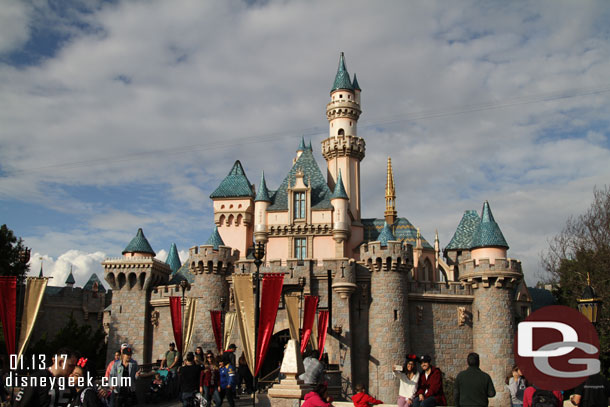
[
  {"x": 300, "y": 248},
  {"x": 299, "y": 205},
  {"x": 341, "y": 132},
  {"x": 340, "y": 96}
]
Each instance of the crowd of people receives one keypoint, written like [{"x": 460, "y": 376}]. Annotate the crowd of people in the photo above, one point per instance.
[{"x": 203, "y": 378}]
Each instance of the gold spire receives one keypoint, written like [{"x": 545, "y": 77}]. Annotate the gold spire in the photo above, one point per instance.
[{"x": 390, "y": 196}]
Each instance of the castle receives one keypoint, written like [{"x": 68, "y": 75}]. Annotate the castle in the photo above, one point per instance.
[{"x": 390, "y": 291}]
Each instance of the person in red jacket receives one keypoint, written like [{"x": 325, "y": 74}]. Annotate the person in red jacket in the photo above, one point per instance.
[
  {"x": 430, "y": 387},
  {"x": 318, "y": 397},
  {"x": 361, "y": 399}
]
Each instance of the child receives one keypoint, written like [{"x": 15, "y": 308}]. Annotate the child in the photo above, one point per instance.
[
  {"x": 156, "y": 384},
  {"x": 361, "y": 399}
]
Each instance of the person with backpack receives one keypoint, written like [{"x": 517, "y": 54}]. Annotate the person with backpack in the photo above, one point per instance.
[{"x": 536, "y": 397}]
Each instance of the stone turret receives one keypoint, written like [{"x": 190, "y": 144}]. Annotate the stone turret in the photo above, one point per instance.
[
  {"x": 341, "y": 219},
  {"x": 389, "y": 262},
  {"x": 131, "y": 278},
  {"x": 210, "y": 263},
  {"x": 492, "y": 280}
]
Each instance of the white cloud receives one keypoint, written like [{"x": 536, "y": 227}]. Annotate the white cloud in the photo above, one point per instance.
[
  {"x": 14, "y": 30},
  {"x": 82, "y": 264}
]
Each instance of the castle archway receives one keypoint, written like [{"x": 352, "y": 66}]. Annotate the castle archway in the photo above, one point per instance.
[{"x": 275, "y": 354}]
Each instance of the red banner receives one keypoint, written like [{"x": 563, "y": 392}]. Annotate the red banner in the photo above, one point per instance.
[
  {"x": 175, "y": 310},
  {"x": 311, "y": 305},
  {"x": 8, "y": 310},
  {"x": 270, "y": 301},
  {"x": 322, "y": 329},
  {"x": 217, "y": 327}
]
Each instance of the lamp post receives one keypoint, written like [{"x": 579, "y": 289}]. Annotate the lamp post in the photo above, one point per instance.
[
  {"x": 259, "y": 254},
  {"x": 589, "y": 304},
  {"x": 184, "y": 285}
]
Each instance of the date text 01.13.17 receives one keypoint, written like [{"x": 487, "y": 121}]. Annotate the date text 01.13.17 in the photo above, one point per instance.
[{"x": 36, "y": 362}]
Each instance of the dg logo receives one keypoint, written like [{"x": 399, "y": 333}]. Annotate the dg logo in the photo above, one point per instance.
[{"x": 557, "y": 348}]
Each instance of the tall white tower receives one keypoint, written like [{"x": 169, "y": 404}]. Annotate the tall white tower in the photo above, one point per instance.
[{"x": 343, "y": 149}]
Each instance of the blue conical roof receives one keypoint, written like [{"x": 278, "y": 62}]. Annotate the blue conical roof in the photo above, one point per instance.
[
  {"x": 139, "y": 244},
  {"x": 488, "y": 233},
  {"x": 302, "y": 146},
  {"x": 386, "y": 234},
  {"x": 236, "y": 184},
  {"x": 70, "y": 279},
  {"x": 342, "y": 80},
  {"x": 215, "y": 239},
  {"x": 355, "y": 83},
  {"x": 339, "y": 192},
  {"x": 263, "y": 192},
  {"x": 309, "y": 146},
  {"x": 173, "y": 260}
]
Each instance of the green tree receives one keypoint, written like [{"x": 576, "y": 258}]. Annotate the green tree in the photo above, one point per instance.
[
  {"x": 11, "y": 254},
  {"x": 583, "y": 249},
  {"x": 82, "y": 338}
]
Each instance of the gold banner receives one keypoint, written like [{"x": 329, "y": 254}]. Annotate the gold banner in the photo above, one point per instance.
[
  {"x": 33, "y": 298},
  {"x": 228, "y": 328},
  {"x": 292, "y": 309},
  {"x": 189, "y": 321},
  {"x": 244, "y": 304},
  {"x": 313, "y": 339}
]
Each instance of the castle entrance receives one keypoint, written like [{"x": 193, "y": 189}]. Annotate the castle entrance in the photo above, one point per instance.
[{"x": 273, "y": 361}]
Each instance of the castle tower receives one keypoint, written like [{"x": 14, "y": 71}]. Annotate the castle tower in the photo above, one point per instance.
[
  {"x": 70, "y": 280},
  {"x": 341, "y": 220},
  {"x": 390, "y": 196},
  {"x": 492, "y": 279},
  {"x": 234, "y": 209},
  {"x": 343, "y": 149},
  {"x": 261, "y": 203},
  {"x": 389, "y": 261},
  {"x": 131, "y": 278},
  {"x": 210, "y": 263}
]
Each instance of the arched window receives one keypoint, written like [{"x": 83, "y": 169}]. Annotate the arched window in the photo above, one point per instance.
[
  {"x": 428, "y": 270},
  {"x": 238, "y": 220},
  {"x": 341, "y": 132},
  {"x": 230, "y": 220}
]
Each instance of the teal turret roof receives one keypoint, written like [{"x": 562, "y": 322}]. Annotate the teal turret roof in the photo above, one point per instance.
[
  {"x": 339, "y": 192},
  {"x": 215, "y": 239},
  {"x": 309, "y": 146},
  {"x": 302, "y": 146},
  {"x": 91, "y": 282},
  {"x": 236, "y": 184},
  {"x": 386, "y": 234},
  {"x": 182, "y": 274},
  {"x": 312, "y": 176},
  {"x": 173, "y": 260},
  {"x": 40, "y": 275},
  {"x": 139, "y": 244},
  {"x": 342, "y": 80},
  {"x": 263, "y": 192},
  {"x": 70, "y": 279},
  {"x": 462, "y": 238},
  {"x": 488, "y": 233},
  {"x": 355, "y": 83}
]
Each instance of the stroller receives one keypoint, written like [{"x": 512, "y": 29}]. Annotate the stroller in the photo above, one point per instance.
[{"x": 159, "y": 389}]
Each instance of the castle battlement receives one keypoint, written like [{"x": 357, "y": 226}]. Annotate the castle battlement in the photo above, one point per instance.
[
  {"x": 343, "y": 145},
  {"x": 164, "y": 291},
  {"x": 140, "y": 273},
  {"x": 473, "y": 266},
  {"x": 395, "y": 256},
  {"x": 206, "y": 259}
]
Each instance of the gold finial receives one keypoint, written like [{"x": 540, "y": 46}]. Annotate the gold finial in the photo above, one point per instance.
[
  {"x": 418, "y": 234},
  {"x": 390, "y": 196},
  {"x": 588, "y": 278},
  {"x": 436, "y": 234}
]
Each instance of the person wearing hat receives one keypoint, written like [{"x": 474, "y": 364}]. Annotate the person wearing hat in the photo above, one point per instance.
[
  {"x": 408, "y": 376},
  {"x": 126, "y": 368},
  {"x": 430, "y": 385}
]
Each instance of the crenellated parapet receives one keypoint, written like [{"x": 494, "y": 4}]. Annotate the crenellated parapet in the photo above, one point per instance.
[
  {"x": 207, "y": 259},
  {"x": 135, "y": 273},
  {"x": 343, "y": 146},
  {"x": 396, "y": 256},
  {"x": 343, "y": 108},
  {"x": 500, "y": 273}
]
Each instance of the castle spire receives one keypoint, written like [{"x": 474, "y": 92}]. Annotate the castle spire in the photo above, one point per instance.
[
  {"x": 355, "y": 84},
  {"x": 40, "y": 275},
  {"x": 302, "y": 146},
  {"x": 342, "y": 80},
  {"x": 173, "y": 260},
  {"x": 390, "y": 196},
  {"x": 385, "y": 235},
  {"x": 339, "y": 192},
  {"x": 70, "y": 280},
  {"x": 488, "y": 233},
  {"x": 215, "y": 239}
]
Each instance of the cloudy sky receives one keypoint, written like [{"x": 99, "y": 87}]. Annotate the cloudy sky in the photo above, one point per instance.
[{"x": 126, "y": 114}]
